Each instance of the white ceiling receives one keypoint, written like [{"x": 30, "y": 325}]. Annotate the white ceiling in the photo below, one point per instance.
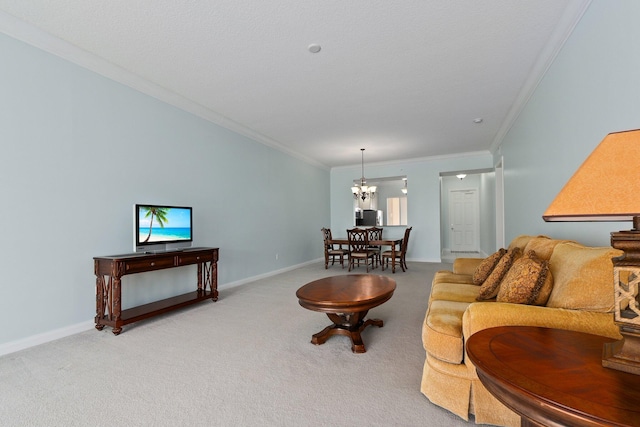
[{"x": 403, "y": 79}]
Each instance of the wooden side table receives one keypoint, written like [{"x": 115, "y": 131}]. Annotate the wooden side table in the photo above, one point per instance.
[{"x": 553, "y": 377}]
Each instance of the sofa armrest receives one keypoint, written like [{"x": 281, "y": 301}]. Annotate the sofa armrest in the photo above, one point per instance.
[
  {"x": 466, "y": 265},
  {"x": 483, "y": 315}
]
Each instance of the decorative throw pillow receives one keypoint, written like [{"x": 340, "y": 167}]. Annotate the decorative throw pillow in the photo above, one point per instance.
[
  {"x": 583, "y": 277},
  {"x": 528, "y": 281},
  {"x": 486, "y": 267},
  {"x": 522, "y": 241},
  {"x": 543, "y": 246},
  {"x": 489, "y": 289}
]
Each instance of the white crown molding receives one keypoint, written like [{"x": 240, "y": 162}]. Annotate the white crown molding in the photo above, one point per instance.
[
  {"x": 568, "y": 22},
  {"x": 27, "y": 33},
  {"x": 418, "y": 159}
]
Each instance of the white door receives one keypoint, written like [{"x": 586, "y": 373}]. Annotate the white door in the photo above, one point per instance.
[{"x": 464, "y": 220}]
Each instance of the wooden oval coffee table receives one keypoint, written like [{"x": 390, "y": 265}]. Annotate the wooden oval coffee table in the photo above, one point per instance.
[{"x": 346, "y": 300}]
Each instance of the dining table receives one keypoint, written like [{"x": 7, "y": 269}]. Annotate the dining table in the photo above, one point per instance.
[{"x": 393, "y": 243}]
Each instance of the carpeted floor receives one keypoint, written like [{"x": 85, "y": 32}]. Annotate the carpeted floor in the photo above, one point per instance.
[{"x": 245, "y": 360}]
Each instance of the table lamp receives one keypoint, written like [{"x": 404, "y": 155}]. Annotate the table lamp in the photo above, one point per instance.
[{"x": 606, "y": 187}]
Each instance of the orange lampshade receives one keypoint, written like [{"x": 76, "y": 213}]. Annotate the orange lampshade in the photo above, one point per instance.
[{"x": 607, "y": 185}]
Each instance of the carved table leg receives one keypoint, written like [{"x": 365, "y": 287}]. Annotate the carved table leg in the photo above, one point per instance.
[
  {"x": 100, "y": 301},
  {"x": 213, "y": 276},
  {"x": 347, "y": 324},
  {"x": 117, "y": 304}
]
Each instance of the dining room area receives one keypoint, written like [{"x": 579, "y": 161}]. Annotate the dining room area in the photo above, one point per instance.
[
  {"x": 365, "y": 247},
  {"x": 379, "y": 212}
]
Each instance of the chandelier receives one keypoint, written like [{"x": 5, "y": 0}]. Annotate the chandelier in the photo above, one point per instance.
[{"x": 363, "y": 191}]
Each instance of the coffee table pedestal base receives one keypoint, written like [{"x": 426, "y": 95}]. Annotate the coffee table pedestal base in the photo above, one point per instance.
[{"x": 348, "y": 324}]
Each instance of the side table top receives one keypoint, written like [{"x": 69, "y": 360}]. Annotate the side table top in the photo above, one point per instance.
[{"x": 554, "y": 376}]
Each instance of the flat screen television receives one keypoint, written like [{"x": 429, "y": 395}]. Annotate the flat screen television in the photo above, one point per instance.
[{"x": 159, "y": 228}]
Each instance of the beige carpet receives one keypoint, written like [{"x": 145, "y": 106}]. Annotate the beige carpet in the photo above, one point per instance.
[{"x": 245, "y": 360}]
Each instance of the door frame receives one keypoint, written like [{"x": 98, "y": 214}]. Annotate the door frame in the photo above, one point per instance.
[{"x": 491, "y": 208}]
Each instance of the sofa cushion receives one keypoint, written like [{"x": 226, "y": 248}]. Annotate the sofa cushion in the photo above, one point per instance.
[
  {"x": 583, "y": 277},
  {"x": 489, "y": 289},
  {"x": 442, "y": 330},
  {"x": 486, "y": 267},
  {"x": 445, "y": 276},
  {"x": 460, "y": 292},
  {"x": 528, "y": 281},
  {"x": 466, "y": 265}
]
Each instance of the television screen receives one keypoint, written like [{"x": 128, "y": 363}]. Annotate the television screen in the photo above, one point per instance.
[{"x": 162, "y": 228}]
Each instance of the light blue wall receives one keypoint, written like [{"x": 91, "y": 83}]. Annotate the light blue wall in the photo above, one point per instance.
[
  {"x": 591, "y": 89},
  {"x": 488, "y": 243},
  {"x": 78, "y": 150},
  {"x": 423, "y": 204}
]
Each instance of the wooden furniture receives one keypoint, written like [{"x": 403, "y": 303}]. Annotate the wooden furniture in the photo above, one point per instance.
[
  {"x": 373, "y": 234},
  {"x": 330, "y": 251},
  {"x": 109, "y": 292},
  {"x": 359, "y": 248},
  {"x": 346, "y": 300},
  {"x": 393, "y": 254},
  {"x": 393, "y": 243},
  {"x": 554, "y": 377}
]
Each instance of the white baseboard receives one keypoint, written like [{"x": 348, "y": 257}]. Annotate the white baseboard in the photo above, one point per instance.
[
  {"x": 429, "y": 260},
  {"x": 32, "y": 341},
  {"x": 269, "y": 274}
]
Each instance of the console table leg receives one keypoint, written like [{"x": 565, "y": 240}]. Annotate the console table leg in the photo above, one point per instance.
[
  {"x": 209, "y": 276},
  {"x": 100, "y": 301},
  {"x": 116, "y": 300},
  {"x": 214, "y": 279}
]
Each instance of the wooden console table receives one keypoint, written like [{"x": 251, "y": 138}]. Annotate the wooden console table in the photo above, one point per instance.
[{"x": 109, "y": 292}]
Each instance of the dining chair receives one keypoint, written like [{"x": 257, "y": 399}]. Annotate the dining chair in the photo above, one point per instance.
[
  {"x": 359, "y": 247},
  {"x": 375, "y": 233},
  {"x": 401, "y": 255},
  {"x": 331, "y": 251}
]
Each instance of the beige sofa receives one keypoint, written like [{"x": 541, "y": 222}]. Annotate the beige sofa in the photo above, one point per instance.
[{"x": 572, "y": 285}]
